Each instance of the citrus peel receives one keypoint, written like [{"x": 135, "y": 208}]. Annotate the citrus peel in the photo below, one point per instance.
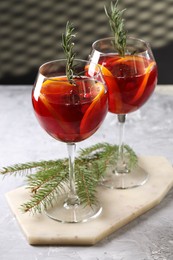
[
  {"x": 92, "y": 109},
  {"x": 54, "y": 114},
  {"x": 141, "y": 89},
  {"x": 113, "y": 90}
]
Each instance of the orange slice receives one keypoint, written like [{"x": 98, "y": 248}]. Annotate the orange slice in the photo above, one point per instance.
[
  {"x": 89, "y": 119},
  {"x": 141, "y": 89},
  {"x": 129, "y": 66},
  {"x": 91, "y": 70},
  {"x": 55, "y": 86},
  {"x": 53, "y": 113},
  {"x": 129, "y": 58},
  {"x": 105, "y": 71},
  {"x": 50, "y": 90},
  {"x": 114, "y": 97}
]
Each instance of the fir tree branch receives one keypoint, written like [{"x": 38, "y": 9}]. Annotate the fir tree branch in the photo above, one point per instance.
[
  {"x": 44, "y": 197},
  {"x": 86, "y": 186},
  {"x": 45, "y": 186},
  {"x": 51, "y": 178},
  {"x": 26, "y": 168},
  {"x": 131, "y": 156},
  {"x": 47, "y": 175}
]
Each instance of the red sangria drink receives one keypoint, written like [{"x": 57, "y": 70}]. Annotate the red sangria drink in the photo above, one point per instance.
[
  {"x": 131, "y": 79},
  {"x": 70, "y": 111}
]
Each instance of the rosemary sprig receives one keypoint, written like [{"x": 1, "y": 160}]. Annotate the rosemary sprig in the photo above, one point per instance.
[
  {"x": 50, "y": 178},
  {"x": 117, "y": 26},
  {"x": 67, "y": 45}
]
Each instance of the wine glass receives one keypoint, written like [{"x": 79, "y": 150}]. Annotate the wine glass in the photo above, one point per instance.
[
  {"x": 131, "y": 80},
  {"x": 70, "y": 111}
]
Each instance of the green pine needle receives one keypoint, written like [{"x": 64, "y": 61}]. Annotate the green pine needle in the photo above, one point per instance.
[
  {"x": 51, "y": 178},
  {"x": 116, "y": 21}
]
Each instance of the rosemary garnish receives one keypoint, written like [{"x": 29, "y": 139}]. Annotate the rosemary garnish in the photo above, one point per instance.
[
  {"x": 68, "y": 45},
  {"x": 117, "y": 26},
  {"x": 50, "y": 178}
]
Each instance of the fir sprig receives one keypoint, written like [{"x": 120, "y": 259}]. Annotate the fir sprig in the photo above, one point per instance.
[
  {"x": 68, "y": 46},
  {"x": 45, "y": 186},
  {"x": 26, "y": 168},
  {"x": 51, "y": 178},
  {"x": 116, "y": 21}
]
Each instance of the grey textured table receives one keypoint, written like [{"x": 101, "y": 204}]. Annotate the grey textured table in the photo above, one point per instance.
[{"x": 150, "y": 132}]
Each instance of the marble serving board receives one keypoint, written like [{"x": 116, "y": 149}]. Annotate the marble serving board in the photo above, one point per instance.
[{"x": 119, "y": 208}]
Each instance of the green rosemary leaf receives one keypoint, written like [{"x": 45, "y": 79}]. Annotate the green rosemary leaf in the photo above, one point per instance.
[
  {"x": 116, "y": 22},
  {"x": 67, "y": 45}
]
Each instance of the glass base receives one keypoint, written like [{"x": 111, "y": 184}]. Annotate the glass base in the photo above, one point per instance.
[
  {"x": 72, "y": 214},
  {"x": 131, "y": 179}
]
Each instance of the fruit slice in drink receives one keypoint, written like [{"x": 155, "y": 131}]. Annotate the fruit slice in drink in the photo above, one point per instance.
[
  {"x": 95, "y": 113},
  {"x": 114, "y": 96},
  {"x": 130, "y": 78},
  {"x": 143, "y": 85},
  {"x": 52, "y": 90}
]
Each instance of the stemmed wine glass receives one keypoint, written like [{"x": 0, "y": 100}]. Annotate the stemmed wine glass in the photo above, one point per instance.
[
  {"x": 70, "y": 111},
  {"x": 131, "y": 80}
]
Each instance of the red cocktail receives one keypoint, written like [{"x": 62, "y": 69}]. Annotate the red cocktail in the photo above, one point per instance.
[
  {"x": 70, "y": 110},
  {"x": 131, "y": 79}
]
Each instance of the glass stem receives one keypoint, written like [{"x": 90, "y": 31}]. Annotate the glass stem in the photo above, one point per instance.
[
  {"x": 121, "y": 164},
  {"x": 73, "y": 199}
]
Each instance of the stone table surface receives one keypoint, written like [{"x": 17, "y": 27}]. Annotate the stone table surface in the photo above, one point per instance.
[{"x": 149, "y": 131}]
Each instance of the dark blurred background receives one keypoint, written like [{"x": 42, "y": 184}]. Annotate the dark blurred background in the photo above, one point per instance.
[{"x": 30, "y": 32}]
